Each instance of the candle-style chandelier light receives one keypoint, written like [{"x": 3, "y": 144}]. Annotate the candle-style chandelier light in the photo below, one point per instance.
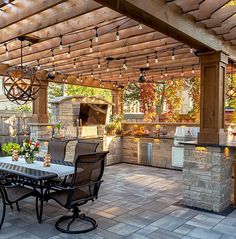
[{"x": 20, "y": 83}]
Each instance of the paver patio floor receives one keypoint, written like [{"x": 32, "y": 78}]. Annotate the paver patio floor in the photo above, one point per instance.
[{"x": 135, "y": 202}]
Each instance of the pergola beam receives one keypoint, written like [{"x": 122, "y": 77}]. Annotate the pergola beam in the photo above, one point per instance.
[{"x": 161, "y": 17}]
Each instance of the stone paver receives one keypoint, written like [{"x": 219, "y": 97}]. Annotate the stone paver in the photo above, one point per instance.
[{"x": 135, "y": 202}]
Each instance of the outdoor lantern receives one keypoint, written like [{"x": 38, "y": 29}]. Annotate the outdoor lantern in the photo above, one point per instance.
[{"x": 20, "y": 83}]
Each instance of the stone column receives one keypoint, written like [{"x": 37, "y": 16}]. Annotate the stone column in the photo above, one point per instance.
[
  {"x": 213, "y": 73},
  {"x": 207, "y": 178},
  {"x": 40, "y": 105},
  {"x": 117, "y": 100}
]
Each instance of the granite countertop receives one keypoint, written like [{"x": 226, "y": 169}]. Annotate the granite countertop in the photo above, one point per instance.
[
  {"x": 195, "y": 143},
  {"x": 70, "y": 138},
  {"x": 151, "y": 136}
]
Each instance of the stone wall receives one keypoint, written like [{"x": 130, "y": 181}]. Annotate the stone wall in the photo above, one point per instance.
[
  {"x": 161, "y": 151},
  {"x": 207, "y": 178}
]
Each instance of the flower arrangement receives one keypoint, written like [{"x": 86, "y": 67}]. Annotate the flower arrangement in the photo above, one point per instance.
[{"x": 29, "y": 149}]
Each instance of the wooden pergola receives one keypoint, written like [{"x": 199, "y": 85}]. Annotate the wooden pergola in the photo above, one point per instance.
[{"x": 108, "y": 43}]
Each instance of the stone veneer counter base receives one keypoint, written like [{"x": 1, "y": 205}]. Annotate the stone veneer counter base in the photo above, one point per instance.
[{"x": 207, "y": 178}]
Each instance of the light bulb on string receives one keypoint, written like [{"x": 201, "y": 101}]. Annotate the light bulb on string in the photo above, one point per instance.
[
  {"x": 117, "y": 34},
  {"x": 74, "y": 63},
  {"x": 91, "y": 73},
  {"x": 161, "y": 74},
  {"x": 100, "y": 77},
  {"x": 114, "y": 84},
  {"x": 30, "y": 46},
  {"x": 147, "y": 63},
  {"x": 7, "y": 52},
  {"x": 182, "y": 72},
  {"x": 140, "y": 27},
  {"x": 91, "y": 46},
  {"x": 191, "y": 50},
  {"x": 166, "y": 74},
  {"x": 120, "y": 74},
  {"x": 108, "y": 67},
  {"x": 193, "y": 69},
  {"x": 68, "y": 54},
  {"x": 38, "y": 67},
  {"x": 156, "y": 59},
  {"x": 96, "y": 34},
  {"x": 53, "y": 70},
  {"x": 125, "y": 64},
  {"x": 173, "y": 54},
  {"x": 52, "y": 57},
  {"x": 61, "y": 45},
  {"x": 99, "y": 65},
  {"x": 78, "y": 77}
]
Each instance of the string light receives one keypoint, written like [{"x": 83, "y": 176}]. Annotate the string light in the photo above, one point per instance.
[
  {"x": 114, "y": 84},
  {"x": 140, "y": 27},
  {"x": 161, "y": 74},
  {"x": 81, "y": 78},
  {"x": 117, "y": 34},
  {"x": 7, "y": 52},
  {"x": 53, "y": 69},
  {"x": 74, "y": 63},
  {"x": 38, "y": 67},
  {"x": 191, "y": 50},
  {"x": 91, "y": 46},
  {"x": 120, "y": 73},
  {"x": 78, "y": 77},
  {"x": 96, "y": 34},
  {"x": 173, "y": 54},
  {"x": 166, "y": 73},
  {"x": 61, "y": 46},
  {"x": 193, "y": 69},
  {"x": 156, "y": 59},
  {"x": 108, "y": 67},
  {"x": 147, "y": 63},
  {"x": 91, "y": 73},
  {"x": 100, "y": 77},
  {"x": 182, "y": 73},
  {"x": 99, "y": 65},
  {"x": 125, "y": 64},
  {"x": 52, "y": 57},
  {"x": 30, "y": 46},
  {"x": 68, "y": 54}
]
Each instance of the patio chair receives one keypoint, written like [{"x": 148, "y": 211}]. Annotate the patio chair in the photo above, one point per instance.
[
  {"x": 84, "y": 148},
  {"x": 84, "y": 187},
  {"x": 12, "y": 193},
  {"x": 57, "y": 149}
]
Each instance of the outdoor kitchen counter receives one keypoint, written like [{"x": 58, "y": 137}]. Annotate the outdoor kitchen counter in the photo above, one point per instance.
[{"x": 148, "y": 150}]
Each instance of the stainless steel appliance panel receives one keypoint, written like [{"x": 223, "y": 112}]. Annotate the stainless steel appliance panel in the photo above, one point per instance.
[{"x": 144, "y": 153}]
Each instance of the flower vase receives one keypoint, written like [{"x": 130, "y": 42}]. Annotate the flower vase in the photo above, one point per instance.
[{"x": 30, "y": 158}]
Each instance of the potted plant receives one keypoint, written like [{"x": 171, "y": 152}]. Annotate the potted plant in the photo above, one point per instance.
[
  {"x": 115, "y": 125},
  {"x": 9, "y": 148},
  {"x": 58, "y": 126}
]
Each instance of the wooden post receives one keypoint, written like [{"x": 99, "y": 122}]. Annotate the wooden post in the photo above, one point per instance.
[
  {"x": 40, "y": 105},
  {"x": 213, "y": 73},
  {"x": 117, "y": 100}
]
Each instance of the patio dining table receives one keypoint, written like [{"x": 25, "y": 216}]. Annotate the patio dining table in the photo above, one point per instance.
[{"x": 37, "y": 174}]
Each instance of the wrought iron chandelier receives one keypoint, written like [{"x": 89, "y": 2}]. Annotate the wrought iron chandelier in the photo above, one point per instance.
[{"x": 20, "y": 83}]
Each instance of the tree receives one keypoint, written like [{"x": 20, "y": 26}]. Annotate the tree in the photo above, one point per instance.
[
  {"x": 131, "y": 93},
  {"x": 55, "y": 90},
  {"x": 74, "y": 90}
]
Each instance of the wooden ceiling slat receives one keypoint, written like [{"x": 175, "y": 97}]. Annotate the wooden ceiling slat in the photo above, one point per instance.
[
  {"x": 57, "y": 14},
  {"x": 24, "y": 9}
]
